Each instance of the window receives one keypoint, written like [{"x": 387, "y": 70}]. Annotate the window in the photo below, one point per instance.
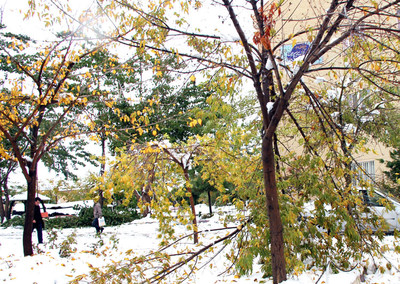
[
  {"x": 365, "y": 172},
  {"x": 372, "y": 199}
]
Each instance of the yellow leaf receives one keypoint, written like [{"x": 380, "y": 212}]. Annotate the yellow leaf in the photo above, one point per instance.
[
  {"x": 294, "y": 42},
  {"x": 193, "y": 78},
  {"x": 154, "y": 132}
]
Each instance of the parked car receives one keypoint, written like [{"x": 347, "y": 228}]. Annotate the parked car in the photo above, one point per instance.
[
  {"x": 376, "y": 202},
  {"x": 383, "y": 206}
]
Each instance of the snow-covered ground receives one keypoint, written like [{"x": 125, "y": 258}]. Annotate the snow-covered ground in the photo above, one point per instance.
[{"x": 140, "y": 236}]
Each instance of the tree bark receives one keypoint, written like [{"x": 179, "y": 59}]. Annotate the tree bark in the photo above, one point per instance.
[
  {"x": 102, "y": 166},
  {"x": 2, "y": 210},
  {"x": 209, "y": 201},
  {"x": 30, "y": 205},
  {"x": 191, "y": 199},
  {"x": 5, "y": 207},
  {"x": 278, "y": 262}
]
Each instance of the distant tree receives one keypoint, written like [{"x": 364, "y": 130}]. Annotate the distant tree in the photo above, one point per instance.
[
  {"x": 394, "y": 172},
  {"x": 169, "y": 109},
  {"x": 201, "y": 187},
  {"x": 175, "y": 108},
  {"x": 6, "y": 168}
]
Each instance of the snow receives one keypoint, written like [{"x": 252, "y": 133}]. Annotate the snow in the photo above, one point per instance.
[
  {"x": 269, "y": 65},
  {"x": 47, "y": 266},
  {"x": 319, "y": 80},
  {"x": 270, "y": 106},
  {"x": 349, "y": 128},
  {"x": 28, "y": 159},
  {"x": 333, "y": 94},
  {"x": 66, "y": 208},
  {"x": 23, "y": 196}
]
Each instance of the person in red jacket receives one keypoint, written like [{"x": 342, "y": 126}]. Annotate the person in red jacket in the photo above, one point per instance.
[{"x": 38, "y": 223}]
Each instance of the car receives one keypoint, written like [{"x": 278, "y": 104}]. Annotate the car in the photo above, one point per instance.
[
  {"x": 383, "y": 206},
  {"x": 375, "y": 202}
]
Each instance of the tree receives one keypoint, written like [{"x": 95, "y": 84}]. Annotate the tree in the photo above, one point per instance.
[
  {"x": 340, "y": 21},
  {"x": 61, "y": 159},
  {"x": 366, "y": 31},
  {"x": 200, "y": 187},
  {"x": 40, "y": 103},
  {"x": 6, "y": 168},
  {"x": 171, "y": 107},
  {"x": 167, "y": 181}
]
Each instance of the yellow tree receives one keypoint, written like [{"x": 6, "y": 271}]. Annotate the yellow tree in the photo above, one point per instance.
[
  {"x": 157, "y": 175},
  {"x": 45, "y": 101}
]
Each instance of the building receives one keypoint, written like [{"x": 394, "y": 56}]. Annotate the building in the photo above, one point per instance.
[{"x": 339, "y": 88}]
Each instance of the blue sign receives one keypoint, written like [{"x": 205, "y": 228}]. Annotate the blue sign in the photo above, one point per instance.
[
  {"x": 290, "y": 53},
  {"x": 298, "y": 50}
]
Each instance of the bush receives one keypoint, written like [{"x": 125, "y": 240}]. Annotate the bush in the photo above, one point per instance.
[
  {"x": 62, "y": 222},
  {"x": 117, "y": 216},
  {"x": 14, "y": 222}
]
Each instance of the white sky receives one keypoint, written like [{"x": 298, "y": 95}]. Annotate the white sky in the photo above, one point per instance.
[{"x": 13, "y": 18}]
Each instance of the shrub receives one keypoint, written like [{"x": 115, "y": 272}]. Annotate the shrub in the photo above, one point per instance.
[
  {"x": 62, "y": 222},
  {"x": 14, "y": 222},
  {"x": 116, "y": 216}
]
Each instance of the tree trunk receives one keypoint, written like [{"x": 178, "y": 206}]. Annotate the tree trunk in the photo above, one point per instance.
[
  {"x": 10, "y": 206},
  {"x": 3, "y": 205},
  {"x": 102, "y": 166},
  {"x": 2, "y": 210},
  {"x": 191, "y": 199},
  {"x": 7, "y": 205},
  {"x": 209, "y": 201},
  {"x": 30, "y": 205},
  {"x": 195, "y": 228},
  {"x": 275, "y": 222},
  {"x": 103, "y": 155}
]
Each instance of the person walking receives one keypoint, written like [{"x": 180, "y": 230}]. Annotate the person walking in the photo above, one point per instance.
[
  {"x": 38, "y": 223},
  {"x": 97, "y": 213}
]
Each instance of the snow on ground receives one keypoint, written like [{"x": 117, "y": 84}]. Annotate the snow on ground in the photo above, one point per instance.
[{"x": 47, "y": 266}]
